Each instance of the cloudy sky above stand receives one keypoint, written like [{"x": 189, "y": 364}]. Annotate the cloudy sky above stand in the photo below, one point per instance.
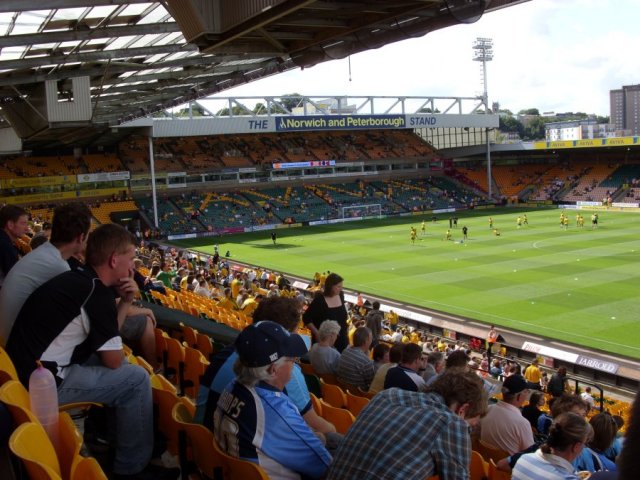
[{"x": 554, "y": 55}]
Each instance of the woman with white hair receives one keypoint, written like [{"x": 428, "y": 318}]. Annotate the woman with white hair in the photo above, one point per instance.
[{"x": 322, "y": 355}]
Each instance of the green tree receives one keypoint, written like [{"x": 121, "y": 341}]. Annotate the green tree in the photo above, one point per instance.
[
  {"x": 534, "y": 130},
  {"x": 291, "y": 101},
  {"x": 261, "y": 108},
  {"x": 196, "y": 111},
  {"x": 235, "y": 110},
  {"x": 428, "y": 110},
  {"x": 529, "y": 111},
  {"x": 510, "y": 124}
]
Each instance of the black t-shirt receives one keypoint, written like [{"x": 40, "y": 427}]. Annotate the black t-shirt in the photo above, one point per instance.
[
  {"x": 556, "y": 385},
  {"x": 319, "y": 311},
  {"x": 64, "y": 322}
]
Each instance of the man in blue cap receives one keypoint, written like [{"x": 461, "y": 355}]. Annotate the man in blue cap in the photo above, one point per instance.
[{"x": 255, "y": 420}]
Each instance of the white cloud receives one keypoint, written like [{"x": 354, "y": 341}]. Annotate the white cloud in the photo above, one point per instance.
[{"x": 556, "y": 56}]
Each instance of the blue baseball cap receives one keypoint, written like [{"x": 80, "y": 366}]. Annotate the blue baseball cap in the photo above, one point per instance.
[{"x": 262, "y": 343}]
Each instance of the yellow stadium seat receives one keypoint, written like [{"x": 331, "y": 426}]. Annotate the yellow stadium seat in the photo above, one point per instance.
[
  {"x": 495, "y": 474},
  {"x": 195, "y": 364},
  {"x": 30, "y": 443},
  {"x": 341, "y": 418},
  {"x": 333, "y": 395},
  {"x": 200, "y": 443},
  {"x": 68, "y": 445},
  {"x": 189, "y": 335},
  {"x": 88, "y": 468},
  {"x": 479, "y": 468},
  {"x": 205, "y": 346},
  {"x": 245, "y": 470},
  {"x": 355, "y": 403},
  {"x": 7, "y": 369},
  {"x": 175, "y": 361},
  {"x": 489, "y": 453},
  {"x": 16, "y": 398}
]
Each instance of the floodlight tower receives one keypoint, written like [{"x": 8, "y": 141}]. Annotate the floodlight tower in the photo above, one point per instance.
[{"x": 483, "y": 52}]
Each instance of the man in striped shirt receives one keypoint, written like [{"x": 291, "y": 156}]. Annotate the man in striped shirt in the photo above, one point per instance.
[
  {"x": 414, "y": 435},
  {"x": 354, "y": 366}
]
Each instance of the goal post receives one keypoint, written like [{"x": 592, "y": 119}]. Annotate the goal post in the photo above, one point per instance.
[{"x": 359, "y": 212}]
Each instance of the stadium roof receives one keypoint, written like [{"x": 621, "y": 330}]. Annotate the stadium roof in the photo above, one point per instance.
[{"x": 139, "y": 57}]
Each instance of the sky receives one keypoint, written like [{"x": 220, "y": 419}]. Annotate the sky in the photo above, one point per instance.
[{"x": 554, "y": 55}]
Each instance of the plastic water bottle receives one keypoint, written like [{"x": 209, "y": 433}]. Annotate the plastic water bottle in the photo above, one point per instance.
[{"x": 43, "y": 393}]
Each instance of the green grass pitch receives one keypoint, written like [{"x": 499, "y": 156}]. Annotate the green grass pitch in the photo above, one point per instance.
[{"x": 579, "y": 285}]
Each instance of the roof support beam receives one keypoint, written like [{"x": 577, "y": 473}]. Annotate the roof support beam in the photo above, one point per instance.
[
  {"x": 96, "y": 56},
  {"x": 115, "y": 69},
  {"x": 27, "y": 5},
  {"x": 75, "y": 35},
  {"x": 268, "y": 17},
  {"x": 155, "y": 80}
]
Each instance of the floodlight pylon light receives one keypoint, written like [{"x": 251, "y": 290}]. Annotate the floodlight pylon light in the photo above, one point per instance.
[{"x": 483, "y": 52}]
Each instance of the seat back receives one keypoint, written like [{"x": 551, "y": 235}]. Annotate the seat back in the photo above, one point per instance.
[
  {"x": 195, "y": 364},
  {"x": 328, "y": 378},
  {"x": 355, "y": 403},
  {"x": 495, "y": 474},
  {"x": 161, "y": 346},
  {"x": 30, "y": 443},
  {"x": 333, "y": 395},
  {"x": 341, "y": 418},
  {"x": 164, "y": 401},
  {"x": 7, "y": 369},
  {"x": 16, "y": 398},
  {"x": 190, "y": 335},
  {"x": 237, "y": 468},
  {"x": 88, "y": 468},
  {"x": 200, "y": 443},
  {"x": 144, "y": 364},
  {"x": 68, "y": 445},
  {"x": 478, "y": 468},
  {"x": 316, "y": 402},
  {"x": 161, "y": 383},
  {"x": 490, "y": 453},
  {"x": 362, "y": 393},
  {"x": 245, "y": 470},
  {"x": 205, "y": 345},
  {"x": 175, "y": 361}
]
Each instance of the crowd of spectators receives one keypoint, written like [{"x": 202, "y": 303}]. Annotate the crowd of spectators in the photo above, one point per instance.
[{"x": 427, "y": 391}]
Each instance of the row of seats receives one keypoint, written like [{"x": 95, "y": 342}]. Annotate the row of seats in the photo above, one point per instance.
[
  {"x": 31, "y": 444},
  {"x": 183, "y": 363},
  {"x": 201, "y": 306},
  {"x": 103, "y": 212},
  {"x": 208, "y": 153}
]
